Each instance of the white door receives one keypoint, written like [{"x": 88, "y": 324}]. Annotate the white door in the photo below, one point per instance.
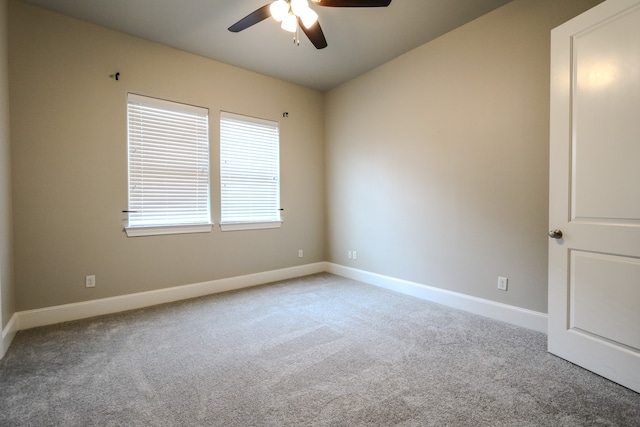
[
  {"x": 594, "y": 267},
  {"x": 2, "y": 349}
]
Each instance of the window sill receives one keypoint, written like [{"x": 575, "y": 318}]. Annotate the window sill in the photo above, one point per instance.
[
  {"x": 238, "y": 226},
  {"x": 167, "y": 229}
]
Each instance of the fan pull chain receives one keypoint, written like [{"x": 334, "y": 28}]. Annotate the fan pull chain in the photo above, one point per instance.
[{"x": 296, "y": 36}]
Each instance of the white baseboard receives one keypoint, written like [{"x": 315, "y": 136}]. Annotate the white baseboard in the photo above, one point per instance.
[
  {"x": 8, "y": 333},
  {"x": 68, "y": 312},
  {"x": 507, "y": 313}
]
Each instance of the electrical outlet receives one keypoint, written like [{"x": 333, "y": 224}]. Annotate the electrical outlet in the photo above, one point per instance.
[
  {"x": 350, "y": 254},
  {"x": 300, "y": 253},
  {"x": 502, "y": 283},
  {"x": 90, "y": 281},
  {"x": 354, "y": 255}
]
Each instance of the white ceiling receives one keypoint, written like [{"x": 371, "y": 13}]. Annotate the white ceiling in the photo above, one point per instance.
[{"x": 359, "y": 39}]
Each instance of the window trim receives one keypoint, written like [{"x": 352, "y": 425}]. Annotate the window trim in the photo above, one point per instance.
[
  {"x": 157, "y": 230},
  {"x": 259, "y": 225}
]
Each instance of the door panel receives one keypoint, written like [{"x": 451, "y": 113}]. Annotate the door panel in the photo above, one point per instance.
[
  {"x": 606, "y": 122},
  {"x": 594, "y": 194},
  {"x": 604, "y": 311}
]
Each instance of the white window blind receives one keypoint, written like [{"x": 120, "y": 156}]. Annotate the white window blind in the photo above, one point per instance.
[
  {"x": 249, "y": 172},
  {"x": 168, "y": 164}
]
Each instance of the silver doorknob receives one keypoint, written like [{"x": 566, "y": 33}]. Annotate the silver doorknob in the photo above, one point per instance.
[{"x": 555, "y": 234}]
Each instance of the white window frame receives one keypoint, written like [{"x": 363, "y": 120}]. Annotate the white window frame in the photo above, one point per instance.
[
  {"x": 242, "y": 149},
  {"x": 186, "y": 158}
]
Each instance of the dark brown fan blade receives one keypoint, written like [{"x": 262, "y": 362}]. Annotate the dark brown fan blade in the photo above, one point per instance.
[
  {"x": 353, "y": 3},
  {"x": 315, "y": 34},
  {"x": 251, "y": 19}
]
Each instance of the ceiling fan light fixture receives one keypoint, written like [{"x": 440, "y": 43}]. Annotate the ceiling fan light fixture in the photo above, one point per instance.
[
  {"x": 289, "y": 23},
  {"x": 279, "y": 10},
  {"x": 309, "y": 17},
  {"x": 295, "y": 15}
]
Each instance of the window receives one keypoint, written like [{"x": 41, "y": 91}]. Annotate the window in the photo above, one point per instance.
[
  {"x": 168, "y": 167},
  {"x": 249, "y": 173}
]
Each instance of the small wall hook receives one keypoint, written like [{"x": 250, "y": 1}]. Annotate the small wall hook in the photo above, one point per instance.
[
  {"x": 115, "y": 76},
  {"x": 285, "y": 114}
]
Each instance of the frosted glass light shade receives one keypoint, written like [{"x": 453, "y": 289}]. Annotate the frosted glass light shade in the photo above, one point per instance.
[
  {"x": 279, "y": 10},
  {"x": 290, "y": 23},
  {"x": 299, "y": 6},
  {"x": 309, "y": 17}
]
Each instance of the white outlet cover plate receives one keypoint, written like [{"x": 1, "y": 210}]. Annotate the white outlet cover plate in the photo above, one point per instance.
[{"x": 90, "y": 281}]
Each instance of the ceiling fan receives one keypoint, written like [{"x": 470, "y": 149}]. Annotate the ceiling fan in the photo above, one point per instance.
[{"x": 294, "y": 14}]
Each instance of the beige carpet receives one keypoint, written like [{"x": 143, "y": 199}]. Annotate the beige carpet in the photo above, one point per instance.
[{"x": 315, "y": 351}]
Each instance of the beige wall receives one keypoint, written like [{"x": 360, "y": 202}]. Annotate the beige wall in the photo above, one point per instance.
[
  {"x": 437, "y": 162},
  {"x": 6, "y": 267},
  {"x": 69, "y": 158}
]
